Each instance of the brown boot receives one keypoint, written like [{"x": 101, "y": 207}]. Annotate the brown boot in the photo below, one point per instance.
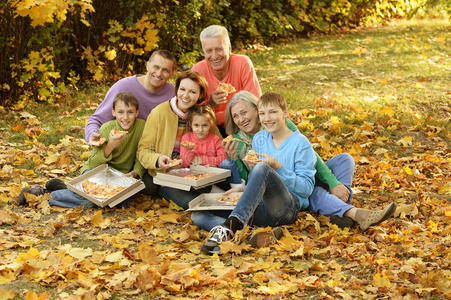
[
  {"x": 366, "y": 218},
  {"x": 264, "y": 239}
]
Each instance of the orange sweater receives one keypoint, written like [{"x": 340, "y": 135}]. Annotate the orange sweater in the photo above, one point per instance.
[{"x": 241, "y": 75}]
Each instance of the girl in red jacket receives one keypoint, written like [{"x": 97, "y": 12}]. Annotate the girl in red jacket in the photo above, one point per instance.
[{"x": 200, "y": 146}]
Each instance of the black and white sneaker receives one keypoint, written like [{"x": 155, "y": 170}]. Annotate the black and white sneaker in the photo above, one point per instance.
[{"x": 218, "y": 234}]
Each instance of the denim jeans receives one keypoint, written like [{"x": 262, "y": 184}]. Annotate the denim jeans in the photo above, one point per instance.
[
  {"x": 321, "y": 201},
  {"x": 209, "y": 219},
  {"x": 69, "y": 199},
  {"x": 266, "y": 201},
  {"x": 229, "y": 164}
]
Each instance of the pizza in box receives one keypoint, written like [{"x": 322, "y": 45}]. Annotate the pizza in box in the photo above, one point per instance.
[{"x": 101, "y": 190}]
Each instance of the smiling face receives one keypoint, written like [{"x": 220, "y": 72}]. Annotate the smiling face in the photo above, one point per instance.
[
  {"x": 200, "y": 126},
  {"x": 125, "y": 114},
  {"x": 217, "y": 53},
  {"x": 272, "y": 117},
  {"x": 245, "y": 117},
  {"x": 159, "y": 70},
  {"x": 187, "y": 94}
]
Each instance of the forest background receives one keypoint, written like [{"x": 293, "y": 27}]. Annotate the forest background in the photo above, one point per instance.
[
  {"x": 370, "y": 78},
  {"x": 51, "y": 47}
]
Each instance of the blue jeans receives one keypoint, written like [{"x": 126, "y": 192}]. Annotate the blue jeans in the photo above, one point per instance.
[
  {"x": 266, "y": 201},
  {"x": 229, "y": 164},
  {"x": 321, "y": 200},
  {"x": 69, "y": 199}
]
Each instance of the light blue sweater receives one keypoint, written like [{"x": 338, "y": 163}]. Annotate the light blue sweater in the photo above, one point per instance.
[{"x": 298, "y": 162}]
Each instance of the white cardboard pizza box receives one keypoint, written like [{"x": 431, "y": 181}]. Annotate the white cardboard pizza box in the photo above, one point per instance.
[
  {"x": 212, "y": 201},
  {"x": 106, "y": 174},
  {"x": 170, "y": 179}
]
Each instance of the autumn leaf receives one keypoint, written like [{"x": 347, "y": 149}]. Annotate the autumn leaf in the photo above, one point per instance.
[{"x": 98, "y": 220}]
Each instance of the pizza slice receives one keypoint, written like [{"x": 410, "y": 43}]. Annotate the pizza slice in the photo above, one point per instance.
[
  {"x": 251, "y": 156},
  {"x": 174, "y": 162},
  {"x": 226, "y": 87},
  {"x": 99, "y": 142},
  {"x": 231, "y": 138},
  {"x": 188, "y": 145},
  {"x": 100, "y": 190},
  {"x": 118, "y": 132}
]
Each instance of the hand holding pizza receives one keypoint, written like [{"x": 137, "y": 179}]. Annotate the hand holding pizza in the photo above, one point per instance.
[
  {"x": 231, "y": 147},
  {"x": 164, "y": 162},
  {"x": 218, "y": 97},
  {"x": 96, "y": 140},
  {"x": 271, "y": 161}
]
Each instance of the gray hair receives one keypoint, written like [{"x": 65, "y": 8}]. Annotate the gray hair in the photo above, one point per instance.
[
  {"x": 215, "y": 31},
  {"x": 243, "y": 96}
]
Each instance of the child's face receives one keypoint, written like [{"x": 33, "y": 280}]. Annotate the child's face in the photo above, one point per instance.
[
  {"x": 125, "y": 114},
  {"x": 272, "y": 117},
  {"x": 200, "y": 126}
]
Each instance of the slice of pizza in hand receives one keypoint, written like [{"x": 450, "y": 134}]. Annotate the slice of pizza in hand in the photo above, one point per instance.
[
  {"x": 99, "y": 142},
  {"x": 118, "y": 132},
  {"x": 175, "y": 162},
  {"x": 231, "y": 138},
  {"x": 188, "y": 145},
  {"x": 251, "y": 156},
  {"x": 226, "y": 87}
]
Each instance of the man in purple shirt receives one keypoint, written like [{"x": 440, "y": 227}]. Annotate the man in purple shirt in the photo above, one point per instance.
[{"x": 150, "y": 90}]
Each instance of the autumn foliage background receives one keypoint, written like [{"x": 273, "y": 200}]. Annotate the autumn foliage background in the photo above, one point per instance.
[
  {"x": 380, "y": 93},
  {"x": 50, "y": 47}
]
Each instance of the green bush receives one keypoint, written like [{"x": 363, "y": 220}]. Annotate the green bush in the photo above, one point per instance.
[{"x": 50, "y": 46}]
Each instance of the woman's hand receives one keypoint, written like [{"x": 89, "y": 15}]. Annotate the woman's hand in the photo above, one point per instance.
[
  {"x": 341, "y": 191},
  {"x": 231, "y": 147},
  {"x": 271, "y": 161},
  {"x": 235, "y": 190},
  {"x": 164, "y": 162},
  {"x": 131, "y": 174}
]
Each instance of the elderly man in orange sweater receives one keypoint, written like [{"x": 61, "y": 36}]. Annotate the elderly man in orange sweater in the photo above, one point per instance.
[{"x": 222, "y": 66}]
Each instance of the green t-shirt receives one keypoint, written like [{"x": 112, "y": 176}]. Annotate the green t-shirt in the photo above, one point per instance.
[{"x": 123, "y": 157}]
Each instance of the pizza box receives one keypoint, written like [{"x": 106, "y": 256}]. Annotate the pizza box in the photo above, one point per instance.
[
  {"x": 174, "y": 178},
  {"x": 214, "y": 201},
  {"x": 107, "y": 175}
]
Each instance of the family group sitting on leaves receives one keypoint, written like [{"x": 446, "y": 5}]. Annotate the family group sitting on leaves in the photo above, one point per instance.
[{"x": 161, "y": 120}]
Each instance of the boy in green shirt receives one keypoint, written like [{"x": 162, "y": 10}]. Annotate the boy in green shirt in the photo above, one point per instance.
[{"x": 119, "y": 152}]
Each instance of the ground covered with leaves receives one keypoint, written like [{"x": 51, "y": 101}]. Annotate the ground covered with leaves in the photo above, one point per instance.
[{"x": 380, "y": 94}]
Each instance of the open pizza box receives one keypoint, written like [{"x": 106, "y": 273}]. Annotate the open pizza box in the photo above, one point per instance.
[
  {"x": 106, "y": 175},
  {"x": 182, "y": 178},
  {"x": 214, "y": 201}
]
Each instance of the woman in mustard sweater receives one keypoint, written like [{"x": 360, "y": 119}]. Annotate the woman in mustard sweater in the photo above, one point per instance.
[{"x": 163, "y": 131}]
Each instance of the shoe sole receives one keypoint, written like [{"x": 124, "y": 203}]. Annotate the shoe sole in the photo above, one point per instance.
[{"x": 390, "y": 211}]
